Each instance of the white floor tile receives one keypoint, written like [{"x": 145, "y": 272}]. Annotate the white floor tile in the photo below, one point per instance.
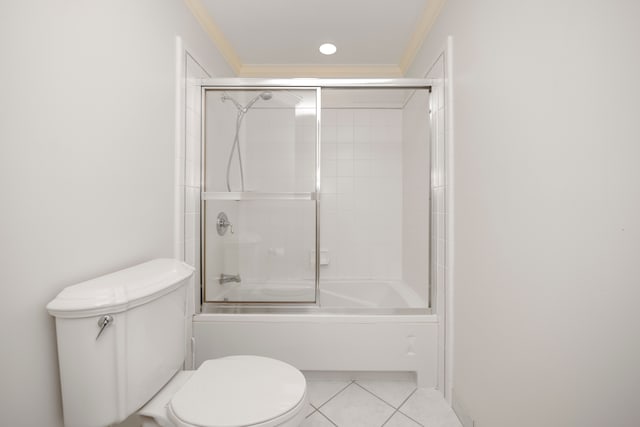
[
  {"x": 310, "y": 410},
  {"x": 321, "y": 391},
  {"x": 401, "y": 420},
  {"x": 428, "y": 407},
  {"x": 317, "y": 420},
  {"x": 355, "y": 407},
  {"x": 392, "y": 392}
]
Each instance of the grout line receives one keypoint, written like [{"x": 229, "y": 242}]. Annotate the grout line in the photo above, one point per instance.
[
  {"x": 389, "y": 419},
  {"x": 327, "y": 418},
  {"x": 332, "y": 397},
  {"x": 312, "y": 412},
  {"x": 399, "y": 411},
  {"x": 405, "y": 401},
  {"x": 415, "y": 421},
  {"x": 396, "y": 410},
  {"x": 407, "y": 398},
  {"x": 378, "y": 397},
  {"x": 400, "y": 406}
]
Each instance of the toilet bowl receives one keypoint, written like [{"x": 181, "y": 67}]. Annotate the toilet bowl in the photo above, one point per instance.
[
  {"x": 121, "y": 348},
  {"x": 231, "y": 391}
]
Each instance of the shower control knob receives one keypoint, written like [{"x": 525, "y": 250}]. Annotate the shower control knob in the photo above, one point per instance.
[{"x": 222, "y": 224}]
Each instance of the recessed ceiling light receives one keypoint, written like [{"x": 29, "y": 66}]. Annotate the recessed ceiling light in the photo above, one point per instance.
[{"x": 328, "y": 49}]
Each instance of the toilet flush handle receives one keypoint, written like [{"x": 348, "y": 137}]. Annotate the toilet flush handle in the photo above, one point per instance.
[{"x": 103, "y": 322}]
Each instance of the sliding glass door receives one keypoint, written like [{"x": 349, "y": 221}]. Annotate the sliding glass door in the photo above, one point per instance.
[{"x": 259, "y": 204}]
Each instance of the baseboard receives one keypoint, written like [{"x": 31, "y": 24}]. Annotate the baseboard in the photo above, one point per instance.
[{"x": 461, "y": 411}]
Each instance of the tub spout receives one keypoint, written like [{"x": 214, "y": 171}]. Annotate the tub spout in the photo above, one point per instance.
[{"x": 226, "y": 278}]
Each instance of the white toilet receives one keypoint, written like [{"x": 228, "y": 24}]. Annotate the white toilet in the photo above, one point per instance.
[{"x": 121, "y": 348}]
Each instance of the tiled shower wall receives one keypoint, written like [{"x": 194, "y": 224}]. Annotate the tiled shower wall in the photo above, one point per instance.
[
  {"x": 361, "y": 196},
  {"x": 220, "y": 123},
  {"x": 187, "y": 176},
  {"x": 439, "y": 216},
  {"x": 361, "y": 193},
  {"x": 192, "y": 164},
  {"x": 415, "y": 186},
  {"x": 280, "y": 157},
  {"x": 438, "y": 180},
  {"x": 273, "y": 240}
]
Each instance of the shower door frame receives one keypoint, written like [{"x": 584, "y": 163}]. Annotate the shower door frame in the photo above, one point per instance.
[{"x": 318, "y": 85}]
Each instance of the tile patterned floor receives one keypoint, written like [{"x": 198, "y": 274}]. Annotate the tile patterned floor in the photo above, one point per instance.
[{"x": 375, "y": 403}]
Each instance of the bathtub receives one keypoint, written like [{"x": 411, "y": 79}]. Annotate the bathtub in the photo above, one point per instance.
[
  {"x": 357, "y": 294},
  {"x": 357, "y": 326}
]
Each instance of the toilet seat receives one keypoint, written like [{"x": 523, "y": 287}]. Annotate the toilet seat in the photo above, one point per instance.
[{"x": 240, "y": 391}]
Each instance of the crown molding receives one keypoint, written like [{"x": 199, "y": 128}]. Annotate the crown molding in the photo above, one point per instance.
[
  {"x": 320, "y": 71},
  {"x": 428, "y": 18},
  {"x": 425, "y": 24},
  {"x": 219, "y": 40}
]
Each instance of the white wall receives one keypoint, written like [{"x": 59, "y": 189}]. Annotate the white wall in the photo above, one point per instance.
[
  {"x": 86, "y": 165},
  {"x": 547, "y": 209}
]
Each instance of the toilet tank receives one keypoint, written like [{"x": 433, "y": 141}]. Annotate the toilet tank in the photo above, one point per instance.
[{"x": 106, "y": 378}]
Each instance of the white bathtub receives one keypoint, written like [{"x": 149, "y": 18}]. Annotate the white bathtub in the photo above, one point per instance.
[
  {"x": 372, "y": 294},
  {"x": 357, "y": 326},
  {"x": 369, "y": 294}
]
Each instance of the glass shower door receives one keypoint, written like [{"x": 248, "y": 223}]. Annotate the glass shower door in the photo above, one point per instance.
[{"x": 259, "y": 204}]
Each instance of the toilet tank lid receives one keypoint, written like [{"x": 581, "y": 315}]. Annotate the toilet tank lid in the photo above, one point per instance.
[{"x": 121, "y": 290}]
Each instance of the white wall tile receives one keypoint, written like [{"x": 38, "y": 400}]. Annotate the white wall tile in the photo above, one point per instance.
[
  {"x": 344, "y": 151},
  {"x": 329, "y": 168},
  {"x": 345, "y": 185},
  {"x": 345, "y": 168},
  {"x": 329, "y": 185},
  {"x": 344, "y": 118},
  {"x": 189, "y": 226},
  {"x": 329, "y": 117},
  {"x": 416, "y": 187},
  {"x": 362, "y": 150},
  {"x": 362, "y": 118},
  {"x": 361, "y": 213},
  {"x": 362, "y": 167},
  {"x": 329, "y": 151},
  {"x": 190, "y": 252},
  {"x": 344, "y": 134},
  {"x": 362, "y": 134}
]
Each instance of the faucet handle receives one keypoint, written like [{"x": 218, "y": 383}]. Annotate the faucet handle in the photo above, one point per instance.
[{"x": 222, "y": 224}]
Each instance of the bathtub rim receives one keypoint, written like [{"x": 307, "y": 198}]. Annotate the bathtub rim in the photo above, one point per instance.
[
  {"x": 309, "y": 310},
  {"x": 412, "y": 301}
]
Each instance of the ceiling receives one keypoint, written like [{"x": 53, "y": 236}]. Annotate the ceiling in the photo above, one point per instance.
[{"x": 280, "y": 38}]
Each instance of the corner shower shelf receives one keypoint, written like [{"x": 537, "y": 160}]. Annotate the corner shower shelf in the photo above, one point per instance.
[{"x": 250, "y": 195}]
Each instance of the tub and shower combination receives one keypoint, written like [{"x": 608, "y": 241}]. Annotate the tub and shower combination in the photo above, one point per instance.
[{"x": 315, "y": 225}]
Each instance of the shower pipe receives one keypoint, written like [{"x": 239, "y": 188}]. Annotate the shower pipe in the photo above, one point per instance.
[{"x": 242, "y": 111}]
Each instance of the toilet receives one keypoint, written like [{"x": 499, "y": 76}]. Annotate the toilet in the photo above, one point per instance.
[{"x": 121, "y": 350}]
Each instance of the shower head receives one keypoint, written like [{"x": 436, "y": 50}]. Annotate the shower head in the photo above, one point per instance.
[
  {"x": 266, "y": 95},
  {"x": 262, "y": 95}
]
